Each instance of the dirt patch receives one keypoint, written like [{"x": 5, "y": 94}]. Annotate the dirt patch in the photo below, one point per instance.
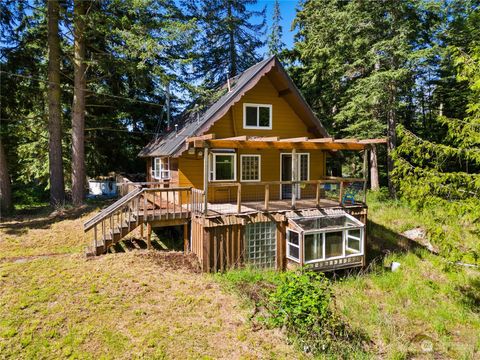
[{"x": 172, "y": 260}]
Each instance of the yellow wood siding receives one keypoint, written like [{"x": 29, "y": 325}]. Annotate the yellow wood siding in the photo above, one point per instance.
[{"x": 285, "y": 124}]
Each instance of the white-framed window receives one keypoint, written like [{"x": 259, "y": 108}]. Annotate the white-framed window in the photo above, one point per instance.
[
  {"x": 223, "y": 167},
  {"x": 332, "y": 244},
  {"x": 353, "y": 244},
  {"x": 293, "y": 245},
  {"x": 250, "y": 167},
  {"x": 161, "y": 168},
  {"x": 257, "y": 116}
]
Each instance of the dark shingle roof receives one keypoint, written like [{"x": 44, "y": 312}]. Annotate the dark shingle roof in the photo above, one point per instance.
[
  {"x": 193, "y": 124},
  {"x": 171, "y": 143}
]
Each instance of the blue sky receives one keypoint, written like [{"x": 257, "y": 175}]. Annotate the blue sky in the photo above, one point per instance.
[{"x": 287, "y": 10}]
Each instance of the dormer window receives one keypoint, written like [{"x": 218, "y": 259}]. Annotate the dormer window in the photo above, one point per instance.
[{"x": 257, "y": 116}]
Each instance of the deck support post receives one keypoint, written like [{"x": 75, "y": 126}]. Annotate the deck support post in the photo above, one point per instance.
[
  {"x": 317, "y": 195},
  {"x": 149, "y": 236},
  {"x": 340, "y": 194},
  {"x": 185, "y": 239},
  {"x": 294, "y": 177},
  {"x": 141, "y": 231},
  {"x": 365, "y": 174},
  {"x": 205, "y": 180},
  {"x": 267, "y": 196},
  {"x": 239, "y": 198}
]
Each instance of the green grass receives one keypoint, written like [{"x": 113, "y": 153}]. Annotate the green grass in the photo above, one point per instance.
[
  {"x": 430, "y": 308},
  {"x": 455, "y": 238},
  {"x": 119, "y": 306}
]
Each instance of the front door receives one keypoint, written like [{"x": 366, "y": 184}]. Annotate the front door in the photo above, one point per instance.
[{"x": 303, "y": 164}]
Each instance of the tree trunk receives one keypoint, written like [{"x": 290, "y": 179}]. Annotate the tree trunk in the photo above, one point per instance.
[
  {"x": 78, "y": 112},
  {"x": 6, "y": 205},
  {"x": 392, "y": 138},
  {"x": 57, "y": 187},
  {"x": 232, "y": 50},
  {"x": 374, "y": 184}
]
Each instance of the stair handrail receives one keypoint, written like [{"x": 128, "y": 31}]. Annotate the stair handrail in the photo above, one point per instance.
[{"x": 89, "y": 224}]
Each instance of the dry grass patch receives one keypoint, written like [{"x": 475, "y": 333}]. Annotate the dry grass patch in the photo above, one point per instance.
[
  {"x": 60, "y": 232},
  {"x": 123, "y": 306},
  {"x": 54, "y": 303}
]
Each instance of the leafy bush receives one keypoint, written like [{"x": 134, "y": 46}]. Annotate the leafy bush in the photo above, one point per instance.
[{"x": 303, "y": 304}]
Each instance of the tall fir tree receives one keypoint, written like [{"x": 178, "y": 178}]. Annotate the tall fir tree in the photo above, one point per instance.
[
  {"x": 57, "y": 187},
  {"x": 358, "y": 62},
  {"x": 275, "y": 43},
  {"x": 78, "y": 106},
  {"x": 228, "y": 40}
]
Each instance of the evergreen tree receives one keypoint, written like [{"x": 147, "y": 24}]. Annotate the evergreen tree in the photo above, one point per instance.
[
  {"x": 359, "y": 60},
  {"x": 78, "y": 107},
  {"x": 275, "y": 44},
  {"x": 228, "y": 38},
  {"x": 132, "y": 49},
  {"x": 57, "y": 187}
]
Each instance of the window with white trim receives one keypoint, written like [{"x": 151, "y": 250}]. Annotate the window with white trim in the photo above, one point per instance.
[
  {"x": 257, "y": 116},
  {"x": 223, "y": 167},
  {"x": 161, "y": 168},
  {"x": 293, "y": 245},
  {"x": 354, "y": 241},
  {"x": 250, "y": 167}
]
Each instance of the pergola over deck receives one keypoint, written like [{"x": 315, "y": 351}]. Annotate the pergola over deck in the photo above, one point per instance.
[
  {"x": 273, "y": 142},
  {"x": 209, "y": 142}
]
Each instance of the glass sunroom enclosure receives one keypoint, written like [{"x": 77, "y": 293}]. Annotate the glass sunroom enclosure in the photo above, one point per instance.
[{"x": 326, "y": 240}]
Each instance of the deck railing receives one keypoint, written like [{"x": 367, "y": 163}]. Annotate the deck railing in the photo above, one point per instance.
[
  {"x": 198, "y": 201},
  {"x": 236, "y": 197},
  {"x": 140, "y": 205}
]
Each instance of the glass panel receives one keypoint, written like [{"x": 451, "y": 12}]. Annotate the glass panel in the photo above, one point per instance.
[
  {"x": 224, "y": 167},
  {"x": 264, "y": 116},
  {"x": 353, "y": 246},
  {"x": 293, "y": 237},
  {"x": 261, "y": 244},
  {"x": 325, "y": 222},
  {"x": 313, "y": 247},
  {"x": 333, "y": 244},
  {"x": 293, "y": 252},
  {"x": 303, "y": 167},
  {"x": 354, "y": 233},
  {"x": 251, "y": 116}
]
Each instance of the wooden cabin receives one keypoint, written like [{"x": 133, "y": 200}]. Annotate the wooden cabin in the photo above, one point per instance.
[{"x": 247, "y": 179}]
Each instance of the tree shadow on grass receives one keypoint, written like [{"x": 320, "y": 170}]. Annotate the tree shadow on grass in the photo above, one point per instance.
[
  {"x": 470, "y": 294},
  {"x": 135, "y": 243},
  {"x": 381, "y": 241},
  {"x": 44, "y": 217}
]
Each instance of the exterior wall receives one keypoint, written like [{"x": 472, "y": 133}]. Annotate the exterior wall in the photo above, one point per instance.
[
  {"x": 174, "y": 174},
  {"x": 191, "y": 174},
  {"x": 220, "y": 248},
  {"x": 223, "y": 247},
  {"x": 285, "y": 124}
]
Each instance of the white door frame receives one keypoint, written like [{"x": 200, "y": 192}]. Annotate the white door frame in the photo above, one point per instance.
[{"x": 299, "y": 190}]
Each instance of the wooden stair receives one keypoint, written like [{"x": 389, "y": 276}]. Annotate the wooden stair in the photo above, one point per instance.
[{"x": 140, "y": 206}]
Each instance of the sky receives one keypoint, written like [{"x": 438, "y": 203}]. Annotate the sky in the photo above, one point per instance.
[{"x": 287, "y": 11}]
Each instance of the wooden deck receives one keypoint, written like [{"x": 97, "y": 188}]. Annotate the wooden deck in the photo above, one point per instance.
[{"x": 229, "y": 208}]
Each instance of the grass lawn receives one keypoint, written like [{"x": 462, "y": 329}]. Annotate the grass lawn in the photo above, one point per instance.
[
  {"x": 428, "y": 309},
  {"x": 129, "y": 305},
  {"x": 54, "y": 303}
]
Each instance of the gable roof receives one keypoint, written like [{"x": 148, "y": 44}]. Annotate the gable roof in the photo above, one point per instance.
[{"x": 173, "y": 143}]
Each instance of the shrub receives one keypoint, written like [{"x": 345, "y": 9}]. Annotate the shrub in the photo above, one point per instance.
[{"x": 303, "y": 304}]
